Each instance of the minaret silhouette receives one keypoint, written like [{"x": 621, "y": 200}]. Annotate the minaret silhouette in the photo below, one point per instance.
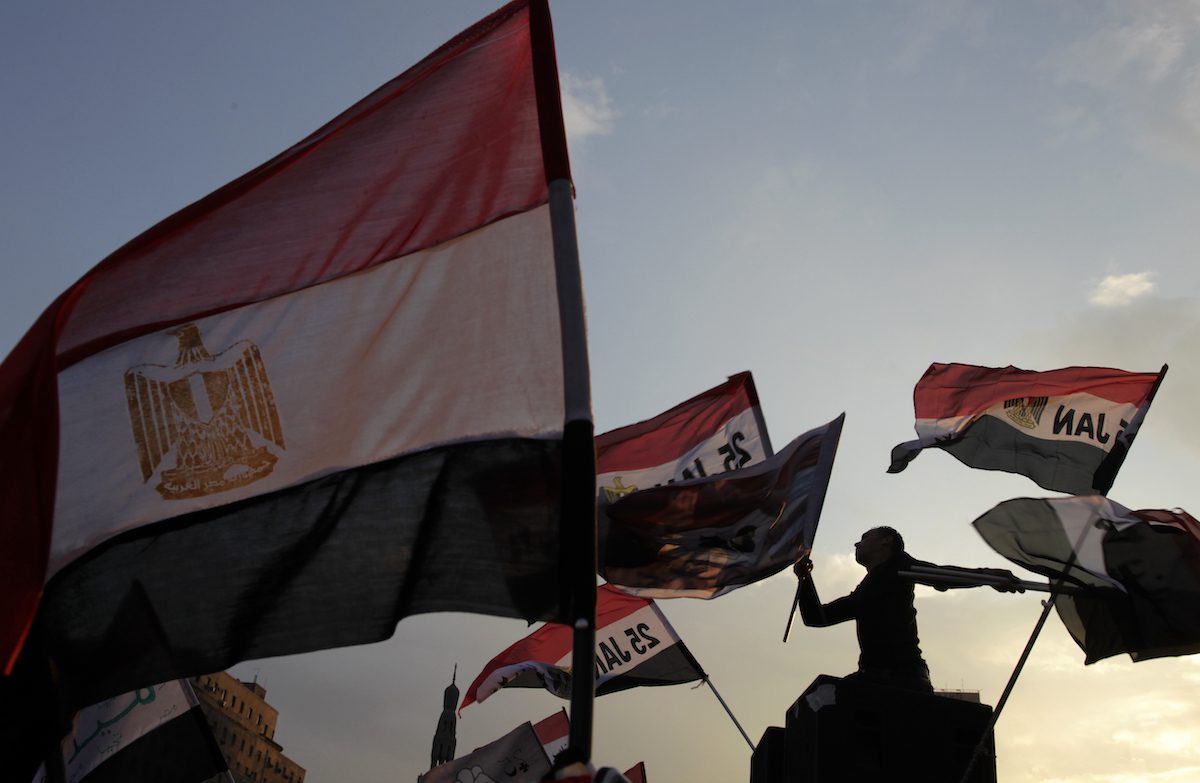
[{"x": 443, "y": 738}]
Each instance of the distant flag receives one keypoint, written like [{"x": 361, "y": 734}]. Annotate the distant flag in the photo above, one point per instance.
[
  {"x": 327, "y": 396},
  {"x": 705, "y": 537},
  {"x": 637, "y": 773},
  {"x": 1069, "y": 430},
  {"x": 553, "y": 732},
  {"x": 1144, "y": 567},
  {"x": 154, "y": 733},
  {"x": 517, "y": 757},
  {"x": 716, "y": 431},
  {"x": 635, "y": 645}
]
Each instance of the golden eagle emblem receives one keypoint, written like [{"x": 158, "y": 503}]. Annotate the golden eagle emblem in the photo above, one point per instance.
[
  {"x": 203, "y": 411},
  {"x": 1026, "y": 411},
  {"x": 618, "y": 490}
]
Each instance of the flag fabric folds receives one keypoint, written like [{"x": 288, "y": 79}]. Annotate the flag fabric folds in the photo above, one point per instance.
[
  {"x": 718, "y": 430},
  {"x": 1069, "y": 429},
  {"x": 154, "y": 733},
  {"x": 1143, "y": 568},
  {"x": 705, "y": 537},
  {"x": 517, "y": 757},
  {"x": 635, "y": 645},
  {"x": 325, "y": 397}
]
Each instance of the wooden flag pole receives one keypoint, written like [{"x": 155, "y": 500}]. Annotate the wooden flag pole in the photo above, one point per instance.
[{"x": 729, "y": 712}]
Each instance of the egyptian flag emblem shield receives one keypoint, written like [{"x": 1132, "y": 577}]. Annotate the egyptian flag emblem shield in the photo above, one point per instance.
[{"x": 215, "y": 416}]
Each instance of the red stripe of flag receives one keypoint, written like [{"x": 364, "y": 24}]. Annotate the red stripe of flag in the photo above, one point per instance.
[
  {"x": 947, "y": 390},
  {"x": 663, "y": 438}
]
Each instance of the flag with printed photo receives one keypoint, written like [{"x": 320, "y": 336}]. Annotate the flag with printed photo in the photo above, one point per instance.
[
  {"x": 1143, "y": 568},
  {"x": 517, "y": 757},
  {"x": 718, "y": 430},
  {"x": 708, "y": 536},
  {"x": 327, "y": 396},
  {"x": 635, "y": 645},
  {"x": 1069, "y": 429}
]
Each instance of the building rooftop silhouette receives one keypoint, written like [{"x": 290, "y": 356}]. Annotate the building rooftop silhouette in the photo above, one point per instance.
[{"x": 243, "y": 724}]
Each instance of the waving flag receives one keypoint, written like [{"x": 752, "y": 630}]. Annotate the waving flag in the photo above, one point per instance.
[
  {"x": 1143, "y": 566},
  {"x": 154, "y": 733},
  {"x": 718, "y": 430},
  {"x": 327, "y": 396},
  {"x": 635, "y": 645},
  {"x": 1069, "y": 430},
  {"x": 517, "y": 757},
  {"x": 553, "y": 732},
  {"x": 705, "y": 537}
]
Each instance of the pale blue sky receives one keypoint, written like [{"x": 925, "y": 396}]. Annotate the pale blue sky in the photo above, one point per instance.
[{"x": 830, "y": 194}]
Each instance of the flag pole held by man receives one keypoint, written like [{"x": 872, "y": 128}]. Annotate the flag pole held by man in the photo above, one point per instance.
[
  {"x": 882, "y": 607},
  {"x": 1138, "y": 573}
]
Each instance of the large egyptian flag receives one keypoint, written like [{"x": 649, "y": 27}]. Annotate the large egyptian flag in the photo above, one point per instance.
[
  {"x": 156, "y": 733},
  {"x": 718, "y": 430},
  {"x": 708, "y": 536},
  {"x": 635, "y": 646},
  {"x": 327, "y": 396},
  {"x": 1069, "y": 429},
  {"x": 1141, "y": 570}
]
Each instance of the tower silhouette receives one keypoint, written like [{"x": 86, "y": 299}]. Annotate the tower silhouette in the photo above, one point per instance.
[{"x": 443, "y": 738}]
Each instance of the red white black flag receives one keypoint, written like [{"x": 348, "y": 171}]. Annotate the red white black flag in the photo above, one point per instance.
[
  {"x": 1141, "y": 568},
  {"x": 322, "y": 398},
  {"x": 635, "y": 645},
  {"x": 1069, "y": 430},
  {"x": 718, "y": 430},
  {"x": 554, "y": 732}
]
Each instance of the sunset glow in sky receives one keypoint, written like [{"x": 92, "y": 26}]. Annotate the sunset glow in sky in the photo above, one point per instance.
[{"x": 831, "y": 195}]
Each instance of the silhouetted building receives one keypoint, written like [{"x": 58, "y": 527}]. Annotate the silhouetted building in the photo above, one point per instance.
[
  {"x": 244, "y": 726},
  {"x": 444, "y": 739},
  {"x": 842, "y": 731}
]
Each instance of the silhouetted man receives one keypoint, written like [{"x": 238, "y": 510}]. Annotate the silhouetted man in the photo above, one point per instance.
[{"x": 883, "y": 611}]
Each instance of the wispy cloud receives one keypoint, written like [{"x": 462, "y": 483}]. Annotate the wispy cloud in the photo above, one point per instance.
[
  {"x": 1141, "y": 60},
  {"x": 1142, "y": 48},
  {"x": 1140, "y": 336},
  {"x": 587, "y": 108},
  {"x": 1119, "y": 290},
  {"x": 928, "y": 24}
]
